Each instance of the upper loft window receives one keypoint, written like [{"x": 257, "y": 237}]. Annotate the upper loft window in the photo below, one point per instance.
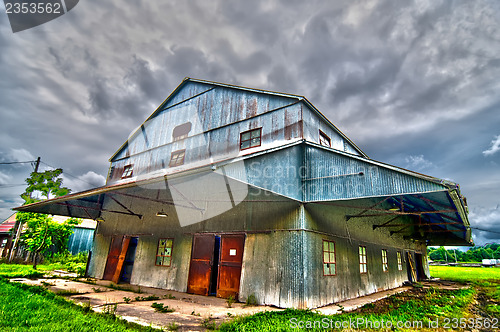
[
  {"x": 250, "y": 139},
  {"x": 181, "y": 131},
  {"x": 128, "y": 171},
  {"x": 177, "y": 158},
  {"x": 324, "y": 139}
]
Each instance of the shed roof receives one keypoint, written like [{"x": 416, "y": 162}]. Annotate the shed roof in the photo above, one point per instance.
[{"x": 7, "y": 224}]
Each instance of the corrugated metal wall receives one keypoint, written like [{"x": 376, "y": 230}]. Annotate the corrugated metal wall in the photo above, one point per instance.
[{"x": 81, "y": 240}]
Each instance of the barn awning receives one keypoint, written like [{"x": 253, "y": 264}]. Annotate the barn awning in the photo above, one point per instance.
[{"x": 434, "y": 209}]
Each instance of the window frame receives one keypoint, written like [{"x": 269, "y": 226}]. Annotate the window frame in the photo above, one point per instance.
[
  {"x": 363, "y": 262},
  {"x": 400, "y": 260},
  {"x": 334, "y": 263},
  {"x": 325, "y": 137},
  {"x": 385, "y": 261},
  {"x": 250, "y": 139},
  {"x": 158, "y": 250},
  {"x": 128, "y": 171},
  {"x": 177, "y": 152}
]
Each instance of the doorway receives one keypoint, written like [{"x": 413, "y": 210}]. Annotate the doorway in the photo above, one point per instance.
[
  {"x": 216, "y": 262},
  {"x": 128, "y": 263},
  {"x": 410, "y": 267},
  {"x": 419, "y": 265},
  {"x": 116, "y": 257}
]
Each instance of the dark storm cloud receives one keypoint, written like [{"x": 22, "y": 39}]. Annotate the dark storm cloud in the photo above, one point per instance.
[{"x": 414, "y": 84}]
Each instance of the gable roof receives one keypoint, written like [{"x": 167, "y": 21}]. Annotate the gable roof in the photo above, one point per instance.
[
  {"x": 214, "y": 85},
  {"x": 7, "y": 224}
]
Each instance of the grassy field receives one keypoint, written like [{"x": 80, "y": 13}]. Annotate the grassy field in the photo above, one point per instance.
[
  {"x": 486, "y": 281},
  {"x": 28, "y": 308}
]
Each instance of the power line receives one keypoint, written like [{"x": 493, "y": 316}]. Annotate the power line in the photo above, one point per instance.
[
  {"x": 64, "y": 172},
  {"x": 485, "y": 230},
  {"x": 17, "y": 162}
]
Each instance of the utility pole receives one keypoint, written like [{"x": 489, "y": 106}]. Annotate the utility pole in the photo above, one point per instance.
[{"x": 13, "y": 249}]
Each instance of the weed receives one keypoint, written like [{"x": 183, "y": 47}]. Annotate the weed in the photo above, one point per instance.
[
  {"x": 67, "y": 292},
  {"x": 230, "y": 300},
  {"x": 194, "y": 313},
  {"x": 86, "y": 307},
  {"x": 138, "y": 290},
  {"x": 169, "y": 296},
  {"x": 229, "y": 314},
  {"x": 127, "y": 299},
  {"x": 110, "y": 309},
  {"x": 172, "y": 326},
  {"x": 251, "y": 300},
  {"x": 98, "y": 290},
  {"x": 46, "y": 284},
  {"x": 159, "y": 307},
  {"x": 209, "y": 324},
  {"x": 147, "y": 298}
]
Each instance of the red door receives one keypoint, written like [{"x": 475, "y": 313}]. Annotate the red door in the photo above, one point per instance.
[
  {"x": 116, "y": 257},
  {"x": 200, "y": 268},
  {"x": 231, "y": 258}
]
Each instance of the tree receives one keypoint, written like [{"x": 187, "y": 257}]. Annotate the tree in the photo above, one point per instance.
[{"x": 42, "y": 232}]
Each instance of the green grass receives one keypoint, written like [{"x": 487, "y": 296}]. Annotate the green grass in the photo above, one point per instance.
[
  {"x": 486, "y": 281},
  {"x": 419, "y": 305},
  {"x": 31, "y": 308},
  {"x": 465, "y": 274}
]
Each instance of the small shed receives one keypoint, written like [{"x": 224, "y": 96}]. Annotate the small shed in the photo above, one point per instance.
[{"x": 233, "y": 191}]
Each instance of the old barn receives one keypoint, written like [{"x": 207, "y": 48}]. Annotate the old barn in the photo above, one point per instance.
[{"x": 226, "y": 190}]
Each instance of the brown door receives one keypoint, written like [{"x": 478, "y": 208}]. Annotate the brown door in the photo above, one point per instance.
[
  {"x": 200, "y": 268},
  {"x": 116, "y": 256},
  {"x": 231, "y": 258}
]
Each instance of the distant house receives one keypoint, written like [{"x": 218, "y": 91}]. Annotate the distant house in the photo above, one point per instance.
[
  {"x": 5, "y": 238},
  {"x": 227, "y": 190},
  {"x": 80, "y": 241}
]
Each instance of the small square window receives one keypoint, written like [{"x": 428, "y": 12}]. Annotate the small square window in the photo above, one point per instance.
[
  {"x": 177, "y": 158},
  {"x": 164, "y": 253},
  {"x": 250, "y": 139},
  {"x": 329, "y": 262},
  {"x": 128, "y": 171},
  {"x": 362, "y": 259},
  {"x": 400, "y": 261},
  {"x": 385, "y": 264},
  {"x": 324, "y": 139}
]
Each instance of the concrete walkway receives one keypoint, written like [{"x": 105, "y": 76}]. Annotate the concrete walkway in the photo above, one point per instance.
[{"x": 192, "y": 312}]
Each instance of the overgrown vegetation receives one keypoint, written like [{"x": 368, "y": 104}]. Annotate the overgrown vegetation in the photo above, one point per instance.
[
  {"x": 474, "y": 254},
  {"x": 32, "y": 308},
  {"x": 418, "y": 307},
  {"x": 486, "y": 281},
  {"x": 159, "y": 307}
]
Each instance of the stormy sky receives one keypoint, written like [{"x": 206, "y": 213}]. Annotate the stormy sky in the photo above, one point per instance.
[{"x": 412, "y": 83}]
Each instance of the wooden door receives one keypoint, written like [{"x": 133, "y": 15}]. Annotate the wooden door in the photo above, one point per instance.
[
  {"x": 230, "y": 262},
  {"x": 116, "y": 257},
  {"x": 200, "y": 269}
]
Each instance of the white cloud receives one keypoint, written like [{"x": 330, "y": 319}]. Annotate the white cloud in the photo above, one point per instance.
[
  {"x": 417, "y": 162},
  {"x": 494, "y": 148},
  {"x": 83, "y": 182}
]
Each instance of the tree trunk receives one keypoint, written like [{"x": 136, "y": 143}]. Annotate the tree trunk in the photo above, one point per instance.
[{"x": 35, "y": 256}]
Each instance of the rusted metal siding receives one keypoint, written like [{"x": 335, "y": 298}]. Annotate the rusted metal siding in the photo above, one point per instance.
[
  {"x": 313, "y": 124},
  {"x": 218, "y": 117},
  {"x": 331, "y": 176}
]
